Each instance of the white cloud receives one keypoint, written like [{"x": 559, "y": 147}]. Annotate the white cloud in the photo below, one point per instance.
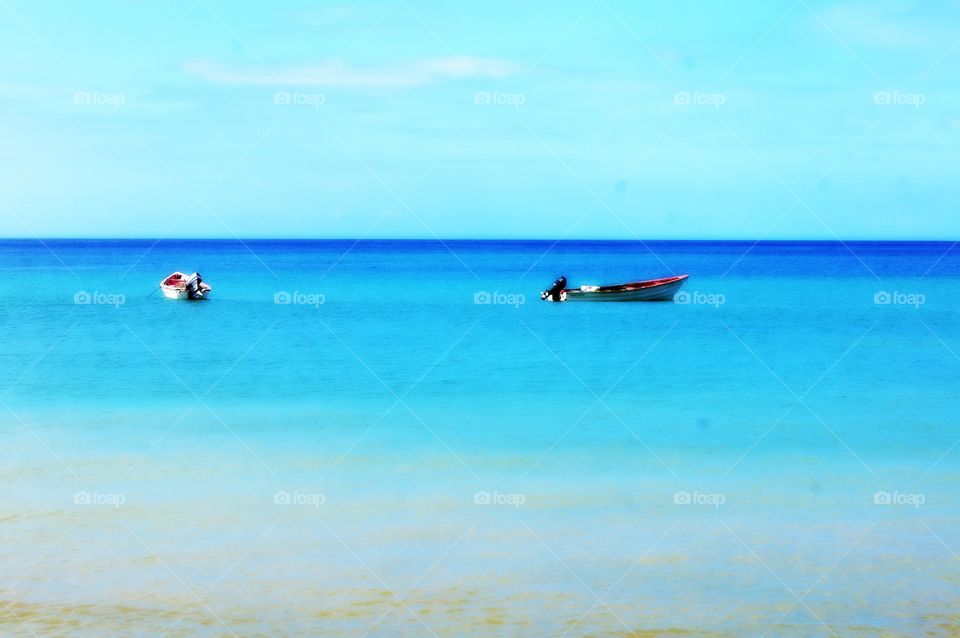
[
  {"x": 331, "y": 15},
  {"x": 339, "y": 74},
  {"x": 889, "y": 23}
]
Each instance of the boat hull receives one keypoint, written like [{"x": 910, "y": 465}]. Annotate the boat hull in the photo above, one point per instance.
[
  {"x": 656, "y": 290},
  {"x": 181, "y": 286},
  {"x": 172, "y": 292}
]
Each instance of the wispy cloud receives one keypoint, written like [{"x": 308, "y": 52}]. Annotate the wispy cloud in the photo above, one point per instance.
[
  {"x": 887, "y": 23},
  {"x": 340, "y": 74},
  {"x": 332, "y": 15}
]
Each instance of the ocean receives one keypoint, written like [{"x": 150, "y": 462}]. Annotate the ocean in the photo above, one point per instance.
[{"x": 387, "y": 438}]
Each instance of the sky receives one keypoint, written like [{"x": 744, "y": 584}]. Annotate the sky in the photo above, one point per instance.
[{"x": 731, "y": 119}]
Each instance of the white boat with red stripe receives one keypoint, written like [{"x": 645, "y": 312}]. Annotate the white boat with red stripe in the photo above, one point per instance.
[
  {"x": 650, "y": 290},
  {"x": 182, "y": 286}
]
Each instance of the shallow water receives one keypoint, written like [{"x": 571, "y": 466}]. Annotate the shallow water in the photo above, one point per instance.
[{"x": 385, "y": 455}]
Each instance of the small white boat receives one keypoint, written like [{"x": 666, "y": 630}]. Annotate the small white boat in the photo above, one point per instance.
[
  {"x": 181, "y": 286},
  {"x": 652, "y": 290}
]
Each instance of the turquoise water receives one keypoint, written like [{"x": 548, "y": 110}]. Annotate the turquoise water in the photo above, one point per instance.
[{"x": 386, "y": 455}]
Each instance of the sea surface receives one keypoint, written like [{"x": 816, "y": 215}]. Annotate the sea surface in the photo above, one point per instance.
[{"x": 398, "y": 438}]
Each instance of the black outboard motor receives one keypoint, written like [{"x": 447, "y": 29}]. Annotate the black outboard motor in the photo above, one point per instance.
[
  {"x": 193, "y": 286},
  {"x": 553, "y": 292}
]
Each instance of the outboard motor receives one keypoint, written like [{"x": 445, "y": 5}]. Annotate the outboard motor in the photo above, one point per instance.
[
  {"x": 553, "y": 292},
  {"x": 193, "y": 287}
]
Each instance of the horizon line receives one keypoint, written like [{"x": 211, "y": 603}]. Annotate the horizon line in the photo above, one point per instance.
[{"x": 441, "y": 240}]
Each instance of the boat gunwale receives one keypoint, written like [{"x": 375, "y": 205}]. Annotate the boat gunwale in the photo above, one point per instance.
[{"x": 634, "y": 285}]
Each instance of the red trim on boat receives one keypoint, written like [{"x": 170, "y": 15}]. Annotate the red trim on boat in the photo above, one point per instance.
[{"x": 635, "y": 285}]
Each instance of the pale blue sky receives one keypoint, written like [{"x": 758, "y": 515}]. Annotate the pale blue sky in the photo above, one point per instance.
[{"x": 416, "y": 118}]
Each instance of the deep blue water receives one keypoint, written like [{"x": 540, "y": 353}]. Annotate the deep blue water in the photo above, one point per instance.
[
  {"x": 797, "y": 379},
  {"x": 772, "y": 319}
]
